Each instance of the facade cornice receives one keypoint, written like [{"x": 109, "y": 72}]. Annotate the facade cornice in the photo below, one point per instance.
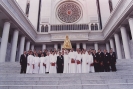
[{"x": 120, "y": 13}]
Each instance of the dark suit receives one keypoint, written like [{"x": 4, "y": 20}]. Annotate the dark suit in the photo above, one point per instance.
[
  {"x": 60, "y": 64},
  {"x": 96, "y": 63},
  {"x": 113, "y": 61},
  {"x": 106, "y": 62},
  {"x": 23, "y": 62},
  {"x": 100, "y": 57}
]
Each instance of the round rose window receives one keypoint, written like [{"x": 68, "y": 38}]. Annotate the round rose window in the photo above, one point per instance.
[{"x": 69, "y": 12}]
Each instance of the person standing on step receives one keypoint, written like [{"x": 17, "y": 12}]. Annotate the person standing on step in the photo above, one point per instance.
[
  {"x": 78, "y": 61},
  {"x": 47, "y": 62},
  {"x": 96, "y": 61},
  {"x": 23, "y": 62},
  {"x": 100, "y": 56},
  {"x": 60, "y": 63},
  {"x": 30, "y": 63},
  {"x": 112, "y": 56},
  {"x": 36, "y": 62},
  {"x": 66, "y": 63},
  {"x": 72, "y": 62},
  {"x": 106, "y": 61},
  {"x": 53, "y": 59},
  {"x": 42, "y": 69}
]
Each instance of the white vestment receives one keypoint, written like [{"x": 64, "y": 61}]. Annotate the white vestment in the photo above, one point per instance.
[
  {"x": 42, "y": 67},
  {"x": 78, "y": 66},
  {"x": 72, "y": 66},
  {"x": 84, "y": 63},
  {"x": 66, "y": 64},
  {"x": 53, "y": 59},
  {"x": 47, "y": 63},
  {"x": 90, "y": 61},
  {"x": 91, "y": 67},
  {"x": 30, "y": 59},
  {"x": 36, "y": 63}
]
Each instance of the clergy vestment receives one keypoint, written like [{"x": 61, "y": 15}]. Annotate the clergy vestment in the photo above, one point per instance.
[
  {"x": 66, "y": 64},
  {"x": 100, "y": 56},
  {"x": 36, "y": 63},
  {"x": 91, "y": 62},
  {"x": 72, "y": 62},
  {"x": 84, "y": 63},
  {"x": 47, "y": 63},
  {"x": 60, "y": 64},
  {"x": 53, "y": 59},
  {"x": 96, "y": 62},
  {"x": 78, "y": 61},
  {"x": 30, "y": 61},
  {"x": 42, "y": 69}
]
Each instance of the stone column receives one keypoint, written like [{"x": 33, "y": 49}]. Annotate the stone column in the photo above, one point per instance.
[
  {"x": 125, "y": 43},
  {"x": 112, "y": 44},
  {"x": 22, "y": 42},
  {"x": 32, "y": 47},
  {"x": 77, "y": 45},
  {"x": 84, "y": 45},
  {"x": 61, "y": 46},
  {"x": 130, "y": 20},
  {"x": 28, "y": 46},
  {"x": 107, "y": 47},
  {"x": 43, "y": 47},
  {"x": 55, "y": 46},
  {"x": 96, "y": 46},
  {"x": 14, "y": 45},
  {"x": 118, "y": 46},
  {"x": 4, "y": 41}
]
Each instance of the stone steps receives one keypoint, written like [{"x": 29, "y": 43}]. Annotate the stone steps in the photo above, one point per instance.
[{"x": 122, "y": 79}]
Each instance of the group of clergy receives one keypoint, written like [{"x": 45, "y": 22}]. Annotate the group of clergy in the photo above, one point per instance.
[{"x": 68, "y": 61}]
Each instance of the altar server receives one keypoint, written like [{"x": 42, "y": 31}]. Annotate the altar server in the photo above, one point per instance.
[
  {"x": 47, "y": 62},
  {"x": 66, "y": 62},
  {"x": 72, "y": 62},
  {"x": 90, "y": 67},
  {"x": 78, "y": 61},
  {"x": 53, "y": 59},
  {"x": 36, "y": 63},
  {"x": 84, "y": 62},
  {"x": 42, "y": 69},
  {"x": 30, "y": 61}
]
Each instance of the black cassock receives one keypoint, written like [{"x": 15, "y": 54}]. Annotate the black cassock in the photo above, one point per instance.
[
  {"x": 23, "y": 62},
  {"x": 60, "y": 64}
]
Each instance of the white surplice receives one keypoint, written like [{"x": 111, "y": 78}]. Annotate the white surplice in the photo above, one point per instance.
[
  {"x": 42, "y": 69},
  {"x": 84, "y": 63},
  {"x": 72, "y": 66},
  {"x": 90, "y": 61},
  {"x": 91, "y": 67},
  {"x": 30, "y": 61},
  {"x": 53, "y": 59},
  {"x": 78, "y": 66},
  {"x": 66, "y": 64},
  {"x": 36, "y": 65},
  {"x": 47, "y": 63}
]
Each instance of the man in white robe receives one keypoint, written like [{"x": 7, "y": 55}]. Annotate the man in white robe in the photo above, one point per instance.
[
  {"x": 78, "y": 61},
  {"x": 42, "y": 69},
  {"x": 47, "y": 62},
  {"x": 53, "y": 59},
  {"x": 72, "y": 62},
  {"x": 36, "y": 63},
  {"x": 30, "y": 62},
  {"x": 66, "y": 62},
  {"x": 91, "y": 65},
  {"x": 84, "y": 62}
]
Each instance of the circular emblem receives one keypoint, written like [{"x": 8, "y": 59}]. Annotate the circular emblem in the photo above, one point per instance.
[{"x": 69, "y": 12}]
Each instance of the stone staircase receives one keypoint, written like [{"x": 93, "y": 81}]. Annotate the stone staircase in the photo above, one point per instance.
[{"x": 122, "y": 79}]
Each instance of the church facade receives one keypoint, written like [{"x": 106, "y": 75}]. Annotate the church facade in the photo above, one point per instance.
[{"x": 44, "y": 24}]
